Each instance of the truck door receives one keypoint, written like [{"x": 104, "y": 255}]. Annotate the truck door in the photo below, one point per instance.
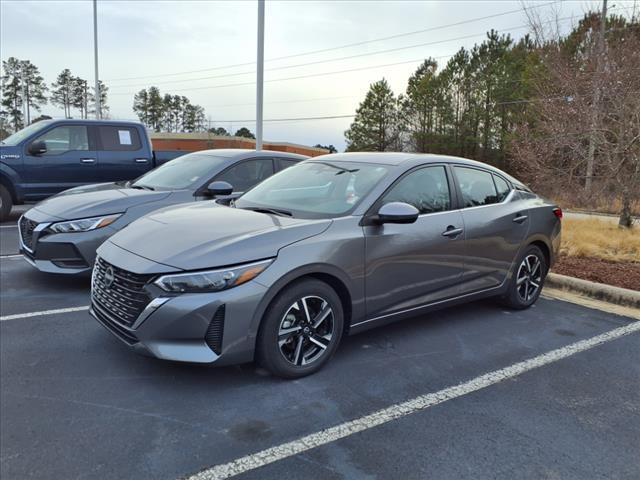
[
  {"x": 121, "y": 153},
  {"x": 69, "y": 160}
]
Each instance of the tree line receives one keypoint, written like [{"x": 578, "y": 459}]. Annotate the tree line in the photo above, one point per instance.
[
  {"x": 560, "y": 111},
  {"x": 24, "y": 90}
]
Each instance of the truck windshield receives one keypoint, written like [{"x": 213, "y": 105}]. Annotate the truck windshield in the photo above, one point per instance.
[
  {"x": 20, "y": 135},
  {"x": 182, "y": 172},
  {"x": 315, "y": 189}
]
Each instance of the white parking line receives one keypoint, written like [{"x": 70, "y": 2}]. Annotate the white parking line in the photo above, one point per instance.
[
  {"x": 13, "y": 255},
  {"x": 394, "y": 412},
  {"x": 18, "y": 316},
  {"x": 9, "y": 226}
]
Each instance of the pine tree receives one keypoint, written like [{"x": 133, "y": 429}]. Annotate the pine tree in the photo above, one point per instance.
[
  {"x": 61, "y": 91},
  {"x": 22, "y": 86},
  {"x": 376, "y": 125}
]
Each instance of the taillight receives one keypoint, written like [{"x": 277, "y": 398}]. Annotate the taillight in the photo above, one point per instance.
[{"x": 558, "y": 213}]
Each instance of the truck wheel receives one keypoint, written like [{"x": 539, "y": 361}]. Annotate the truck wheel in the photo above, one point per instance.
[{"x": 5, "y": 203}]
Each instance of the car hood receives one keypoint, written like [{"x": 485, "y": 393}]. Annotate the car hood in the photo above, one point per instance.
[
  {"x": 95, "y": 200},
  {"x": 205, "y": 236}
]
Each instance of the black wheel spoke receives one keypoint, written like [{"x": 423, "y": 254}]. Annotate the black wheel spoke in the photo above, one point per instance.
[
  {"x": 529, "y": 277},
  {"x": 306, "y": 330}
]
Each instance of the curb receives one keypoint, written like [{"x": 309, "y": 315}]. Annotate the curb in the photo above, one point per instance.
[{"x": 600, "y": 291}]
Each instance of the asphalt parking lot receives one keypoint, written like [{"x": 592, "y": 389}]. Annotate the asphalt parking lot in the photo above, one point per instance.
[{"x": 75, "y": 403}]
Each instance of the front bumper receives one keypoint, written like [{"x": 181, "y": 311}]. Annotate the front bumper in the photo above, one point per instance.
[
  {"x": 195, "y": 327},
  {"x": 62, "y": 253}
]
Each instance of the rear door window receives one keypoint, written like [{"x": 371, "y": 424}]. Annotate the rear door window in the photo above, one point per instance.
[
  {"x": 119, "y": 139},
  {"x": 247, "y": 174},
  {"x": 502, "y": 187},
  {"x": 476, "y": 186},
  {"x": 282, "y": 163}
]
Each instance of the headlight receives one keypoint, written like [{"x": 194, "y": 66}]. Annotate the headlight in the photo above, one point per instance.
[
  {"x": 84, "y": 224},
  {"x": 212, "y": 280}
]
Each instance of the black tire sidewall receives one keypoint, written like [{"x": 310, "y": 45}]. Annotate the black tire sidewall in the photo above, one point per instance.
[
  {"x": 268, "y": 352},
  {"x": 512, "y": 299},
  {"x": 7, "y": 203}
]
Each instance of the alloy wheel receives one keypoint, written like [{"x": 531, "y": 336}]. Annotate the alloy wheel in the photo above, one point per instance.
[
  {"x": 306, "y": 330},
  {"x": 529, "y": 278}
]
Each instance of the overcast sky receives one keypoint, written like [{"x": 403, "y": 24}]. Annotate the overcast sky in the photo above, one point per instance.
[{"x": 152, "y": 39}]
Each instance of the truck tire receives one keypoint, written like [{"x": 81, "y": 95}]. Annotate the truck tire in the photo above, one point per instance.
[{"x": 5, "y": 203}]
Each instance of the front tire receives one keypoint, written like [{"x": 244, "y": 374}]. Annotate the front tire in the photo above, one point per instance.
[
  {"x": 300, "y": 330},
  {"x": 528, "y": 279},
  {"x": 5, "y": 203}
]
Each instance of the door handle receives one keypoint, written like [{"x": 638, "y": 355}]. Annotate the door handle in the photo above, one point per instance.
[
  {"x": 520, "y": 218},
  {"x": 87, "y": 160},
  {"x": 142, "y": 160},
  {"x": 452, "y": 231}
]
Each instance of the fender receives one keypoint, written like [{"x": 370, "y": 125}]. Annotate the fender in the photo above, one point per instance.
[
  {"x": 11, "y": 179},
  {"x": 357, "y": 304}
]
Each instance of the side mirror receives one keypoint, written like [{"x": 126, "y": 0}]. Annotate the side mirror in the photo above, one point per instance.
[
  {"x": 38, "y": 148},
  {"x": 219, "y": 188},
  {"x": 397, "y": 212}
]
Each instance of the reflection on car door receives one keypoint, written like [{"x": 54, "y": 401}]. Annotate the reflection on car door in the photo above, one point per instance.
[
  {"x": 410, "y": 265},
  {"x": 495, "y": 223},
  {"x": 70, "y": 160}
]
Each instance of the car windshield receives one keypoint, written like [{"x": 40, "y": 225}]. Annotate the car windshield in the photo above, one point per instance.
[
  {"x": 182, "y": 172},
  {"x": 20, "y": 135},
  {"x": 315, "y": 189}
]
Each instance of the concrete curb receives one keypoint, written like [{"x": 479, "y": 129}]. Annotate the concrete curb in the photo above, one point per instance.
[{"x": 600, "y": 291}]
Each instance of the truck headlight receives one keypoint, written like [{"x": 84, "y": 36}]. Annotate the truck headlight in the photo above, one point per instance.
[
  {"x": 212, "y": 280},
  {"x": 84, "y": 224}
]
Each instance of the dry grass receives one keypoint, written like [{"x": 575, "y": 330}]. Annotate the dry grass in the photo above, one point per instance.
[{"x": 600, "y": 239}]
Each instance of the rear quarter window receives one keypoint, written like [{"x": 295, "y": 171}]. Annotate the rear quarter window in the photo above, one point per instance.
[{"x": 119, "y": 139}]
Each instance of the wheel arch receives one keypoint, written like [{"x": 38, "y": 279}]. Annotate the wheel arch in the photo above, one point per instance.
[{"x": 328, "y": 274}]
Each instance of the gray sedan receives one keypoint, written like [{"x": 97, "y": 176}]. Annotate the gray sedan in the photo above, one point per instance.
[
  {"x": 62, "y": 233},
  {"x": 332, "y": 246}
]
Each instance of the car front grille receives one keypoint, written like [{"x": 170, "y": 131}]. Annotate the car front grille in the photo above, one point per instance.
[
  {"x": 26, "y": 231},
  {"x": 119, "y": 293}
]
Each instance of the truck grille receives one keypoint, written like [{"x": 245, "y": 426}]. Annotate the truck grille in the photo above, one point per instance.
[
  {"x": 119, "y": 293},
  {"x": 26, "y": 231}
]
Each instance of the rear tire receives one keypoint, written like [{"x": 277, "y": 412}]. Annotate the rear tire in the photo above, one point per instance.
[
  {"x": 5, "y": 203},
  {"x": 528, "y": 279},
  {"x": 300, "y": 330}
]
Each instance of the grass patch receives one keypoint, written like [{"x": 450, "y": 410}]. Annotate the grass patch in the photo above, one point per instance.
[{"x": 600, "y": 239}]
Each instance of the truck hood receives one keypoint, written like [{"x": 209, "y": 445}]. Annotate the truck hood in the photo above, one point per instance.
[
  {"x": 96, "y": 200},
  {"x": 201, "y": 236}
]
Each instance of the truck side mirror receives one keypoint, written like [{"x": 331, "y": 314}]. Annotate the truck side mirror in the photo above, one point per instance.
[
  {"x": 219, "y": 188},
  {"x": 38, "y": 148}
]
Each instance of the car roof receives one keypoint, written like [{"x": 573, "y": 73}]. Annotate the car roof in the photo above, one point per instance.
[
  {"x": 407, "y": 159},
  {"x": 242, "y": 153},
  {"x": 93, "y": 120}
]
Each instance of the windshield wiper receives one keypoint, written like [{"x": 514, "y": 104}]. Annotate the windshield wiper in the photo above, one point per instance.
[
  {"x": 273, "y": 211},
  {"x": 342, "y": 169},
  {"x": 142, "y": 187}
]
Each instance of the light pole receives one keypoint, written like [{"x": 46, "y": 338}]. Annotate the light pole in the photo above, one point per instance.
[
  {"x": 260, "y": 75},
  {"x": 95, "y": 57}
]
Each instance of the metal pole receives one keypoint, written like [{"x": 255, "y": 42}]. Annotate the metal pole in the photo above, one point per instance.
[
  {"x": 260, "y": 76},
  {"x": 24, "y": 97},
  {"x": 596, "y": 98},
  {"x": 95, "y": 56}
]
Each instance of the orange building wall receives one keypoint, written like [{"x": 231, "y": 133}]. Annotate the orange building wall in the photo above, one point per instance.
[{"x": 192, "y": 142}]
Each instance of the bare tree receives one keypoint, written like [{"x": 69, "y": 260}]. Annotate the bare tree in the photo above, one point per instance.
[{"x": 570, "y": 136}]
